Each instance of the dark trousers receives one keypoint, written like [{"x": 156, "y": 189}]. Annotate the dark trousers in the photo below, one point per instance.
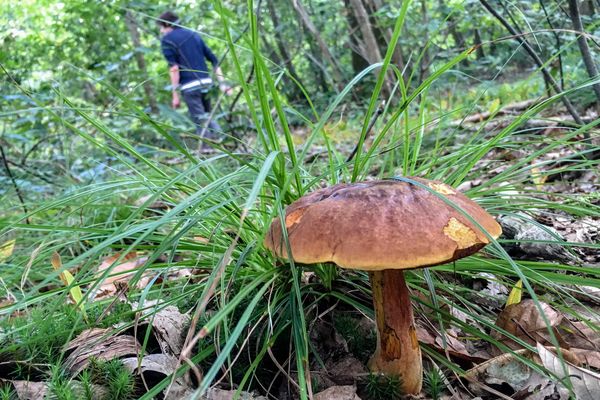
[{"x": 199, "y": 107}]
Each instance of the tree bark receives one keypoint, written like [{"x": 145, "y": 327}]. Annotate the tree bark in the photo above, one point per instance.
[
  {"x": 141, "y": 62},
  {"x": 306, "y": 21},
  {"x": 536, "y": 59},
  {"x": 558, "y": 44},
  {"x": 583, "y": 46},
  {"x": 384, "y": 35},
  {"x": 371, "y": 47},
  {"x": 477, "y": 41},
  {"x": 372, "y": 53},
  {"x": 283, "y": 50}
]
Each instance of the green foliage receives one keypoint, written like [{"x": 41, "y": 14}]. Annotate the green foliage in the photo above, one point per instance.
[
  {"x": 38, "y": 337},
  {"x": 85, "y": 152},
  {"x": 7, "y": 392},
  {"x": 382, "y": 387},
  {"x": 59, "y": 384},
  {"x": 361, "y": 339},
  {"x": 433, "y": 382},
  {"x": 119, "y": 382}
]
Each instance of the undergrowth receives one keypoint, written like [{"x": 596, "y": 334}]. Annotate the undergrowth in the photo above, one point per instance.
[{"x": 252, "y": 307}]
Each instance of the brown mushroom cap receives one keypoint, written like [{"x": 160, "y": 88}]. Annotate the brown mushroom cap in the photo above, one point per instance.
[{"x": 381, "y": 225}]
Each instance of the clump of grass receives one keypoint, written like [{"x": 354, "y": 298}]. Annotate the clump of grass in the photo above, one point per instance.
[
  {"x": 433, "y": 382},
  {"x": 7, "y": 392},
  {"x": 382, "y": 387},
  {"x": 39, "y": 335},
  {"x": 59, "y": 385},
  {"x": 87, "y": 385},
  {"x": 361, "y": 340},
  {"x": 113, "y": 375}
]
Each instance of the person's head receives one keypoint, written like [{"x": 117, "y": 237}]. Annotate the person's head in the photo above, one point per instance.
[{"x": 166, "y": 20}]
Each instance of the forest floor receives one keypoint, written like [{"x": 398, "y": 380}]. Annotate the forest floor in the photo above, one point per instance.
[{"x": 344, "y": 339}]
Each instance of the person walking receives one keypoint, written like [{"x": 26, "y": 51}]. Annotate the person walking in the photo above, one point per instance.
[{"x": 186, "y": 53}]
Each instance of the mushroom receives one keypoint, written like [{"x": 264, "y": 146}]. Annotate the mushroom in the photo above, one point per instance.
[{"x": 385, "y": 227}]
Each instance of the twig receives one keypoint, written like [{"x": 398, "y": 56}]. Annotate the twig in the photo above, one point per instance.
[
  {"x": 536, "y": 59},
  {"x": 558, "y": 44},
  {"x": 374, "y": 118},
  {"x": 14, "y": 182}
]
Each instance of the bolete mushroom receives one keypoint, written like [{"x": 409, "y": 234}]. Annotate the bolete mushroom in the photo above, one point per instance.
[{"x": 385, "y": 227}]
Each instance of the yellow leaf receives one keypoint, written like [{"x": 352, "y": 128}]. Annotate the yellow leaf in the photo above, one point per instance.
[
  {"x": 515, "y": 294},
  {"x": 537, "y": 178},
  {"x": 495, "y": 106},
  {"x": 6, "y": 250},
  {"x": 67, "y": 279}
]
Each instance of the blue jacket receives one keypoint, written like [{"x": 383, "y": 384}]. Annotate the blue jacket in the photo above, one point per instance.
[{"x": 187, "y": 50}]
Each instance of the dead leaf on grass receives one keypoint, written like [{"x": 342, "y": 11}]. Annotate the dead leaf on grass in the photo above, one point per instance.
[
  {"x": 585, "y": 383},
  {"x": 99, "y": 344},
  {"x": 163, "y": 364},
  {"x": 453, "y": 345},
  {"x": 120, "y": 273},
  {"x": 508, "y": 374},
  {"x": 524, "y": 321},
  {"x": 153, "y": 368},
  {"x": 169, "y": 325}
]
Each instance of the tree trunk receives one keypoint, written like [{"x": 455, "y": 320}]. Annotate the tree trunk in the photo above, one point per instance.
[
  {"x": 141, "y": 62},
  {"x": 281, "y": 46},
  {"x": 384, "y": 35},
  {"x": 583, "y": 46},
  {"x": 479, "y": 52},
  {"x": 371, "y": 47},
  {"x": 536, "y": 59},
  {"x": 588, "y": 8},
  {"x": 372, "y": 53},
  {"x": 306, "y": 21}
]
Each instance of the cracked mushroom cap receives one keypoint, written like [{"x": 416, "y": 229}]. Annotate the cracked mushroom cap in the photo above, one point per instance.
[{"x": 380, "y": 225}]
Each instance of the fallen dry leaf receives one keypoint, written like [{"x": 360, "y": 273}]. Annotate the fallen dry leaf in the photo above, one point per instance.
[
  {"x": 100, "y": 344},
  {"x": 512, "y": 377},
  {"x": 153, "y": 368},
  {"x": 583, "y": 341},
  {"x": 453, "y": 345},
  {"x": 159, "y": 363},
  {"x": 524, "y": 321},
  {"x": 585, "y": 383},
  {"x": 338, "y": 393},
  {"x": 119, "y": 273},
  {"x": 27, "y": 390}
]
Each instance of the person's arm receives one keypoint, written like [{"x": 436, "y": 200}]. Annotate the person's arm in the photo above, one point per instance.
[
  {"x": 222, "y": 84},
  {"x": 174, "y": 74},
  {"x": 217, "y": 69},
  {"x": 170, "y": 54}
]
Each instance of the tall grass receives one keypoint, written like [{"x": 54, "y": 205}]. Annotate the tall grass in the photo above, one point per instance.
[{"x": 248, "y": 302}]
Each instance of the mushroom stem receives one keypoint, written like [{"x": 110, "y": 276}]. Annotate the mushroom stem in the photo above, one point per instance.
[{"x": 397, "y": 351}]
